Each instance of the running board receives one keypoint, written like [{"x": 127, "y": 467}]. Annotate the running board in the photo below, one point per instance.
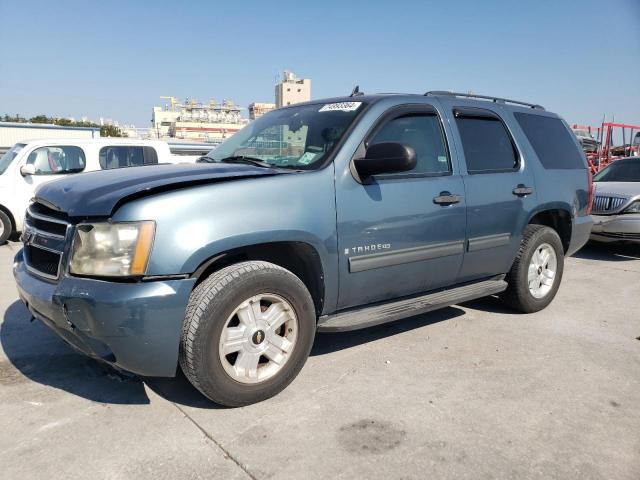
[{"x": 390, "y": 311}]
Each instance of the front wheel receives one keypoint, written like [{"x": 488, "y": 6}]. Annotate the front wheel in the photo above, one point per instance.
[
  {"x": 536, "y": 273},
  {"x": 247, "y": 332}
]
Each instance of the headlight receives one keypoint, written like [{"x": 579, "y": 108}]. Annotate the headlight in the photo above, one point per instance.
[
  {"x": 112, "y": 249},
  {"x": 633, "y": 208}
]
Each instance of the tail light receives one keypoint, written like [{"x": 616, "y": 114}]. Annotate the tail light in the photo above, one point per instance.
[{"x": 590, "y": 197}]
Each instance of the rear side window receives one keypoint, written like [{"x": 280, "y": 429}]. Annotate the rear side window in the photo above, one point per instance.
[
  {"x": 424, "y": 135},
  {"x": 121, "y": 156},
  {"x": 486, "y": 142},
  {"x": 57, "y": 160},
  {"x": 552, "y": 141}
]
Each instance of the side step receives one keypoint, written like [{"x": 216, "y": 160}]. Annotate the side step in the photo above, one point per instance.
[{"x": 390, "y": 311}]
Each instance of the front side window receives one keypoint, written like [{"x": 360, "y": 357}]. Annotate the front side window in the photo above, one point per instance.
[
  {"x": 423, "y": 133},
  {"x": 298, "y": 137},
  {"x": 9, "y": 155},
  {"x": 551, "y": 140},
  {"x": 486, "y": 142},
  {"x": 57, "y": 160},
  {"x": 121, "y": 156}
]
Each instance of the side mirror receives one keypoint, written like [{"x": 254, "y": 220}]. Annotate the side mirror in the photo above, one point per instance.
[
  {"x": 388, "y": 157},
  {"x": 27, "y": 169}
]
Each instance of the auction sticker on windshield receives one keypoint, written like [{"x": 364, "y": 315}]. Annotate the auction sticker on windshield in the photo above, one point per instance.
[{"x": 342, "y": 107}]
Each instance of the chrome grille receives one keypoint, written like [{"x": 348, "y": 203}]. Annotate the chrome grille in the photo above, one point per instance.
[
  {"x": 44, "y": 237},
  {"x": 607, "y": 204}
]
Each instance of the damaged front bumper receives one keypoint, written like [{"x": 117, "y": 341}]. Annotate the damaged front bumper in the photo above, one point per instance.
[{"x": 133, "y": 326}]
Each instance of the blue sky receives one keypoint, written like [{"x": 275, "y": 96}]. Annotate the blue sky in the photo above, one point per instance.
[{"x": 580, "y": 59}]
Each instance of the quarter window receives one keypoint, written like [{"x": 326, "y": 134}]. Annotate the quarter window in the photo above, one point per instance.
[
  {"x": 486, "y": 142},
  {"x": 57, "y": 160},
  {"x": 423, "y": 133},
  {"x": 552, "y": 141},
  {"x": 121, "y": 156}
]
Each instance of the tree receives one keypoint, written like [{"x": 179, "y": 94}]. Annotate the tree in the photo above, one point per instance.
[
  {"x": 105, "y": 130},
  {"x": 111, "y": 131},
  {"x": 41, "y": 119}
]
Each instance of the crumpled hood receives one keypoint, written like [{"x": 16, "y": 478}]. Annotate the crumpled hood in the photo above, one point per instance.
[
  {"x": 98, "y": 193},
  {"x": 617, "y": 189}
]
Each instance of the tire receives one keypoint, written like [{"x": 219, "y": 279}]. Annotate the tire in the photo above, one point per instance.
[
  {"x": 211, "y": 316},
  {"x": 6, "y": 227},
  {"x": 536, "y": 239}
]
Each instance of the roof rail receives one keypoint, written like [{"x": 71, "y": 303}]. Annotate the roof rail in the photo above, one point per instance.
[{"x": 483, "y": 97}]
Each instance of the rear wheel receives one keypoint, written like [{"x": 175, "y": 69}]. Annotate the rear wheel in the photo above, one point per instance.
[
  {"x": 536, "y": 273},
  {"x": 5, "y": 227},
  {"x": 248, "y": 331}
]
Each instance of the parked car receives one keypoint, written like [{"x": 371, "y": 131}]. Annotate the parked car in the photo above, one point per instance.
[
  {"x": 616, "y": 204},
  {"x": 331, "y": 215},
  {"x": 30, "y": 164},
  {"x": 587, "y": 142}
]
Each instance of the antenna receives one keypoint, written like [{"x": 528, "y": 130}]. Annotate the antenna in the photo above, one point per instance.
[{"x": 356, "y": 92}]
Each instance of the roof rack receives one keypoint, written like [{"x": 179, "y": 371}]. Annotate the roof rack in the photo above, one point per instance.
[{"x": 483, "y": 97}]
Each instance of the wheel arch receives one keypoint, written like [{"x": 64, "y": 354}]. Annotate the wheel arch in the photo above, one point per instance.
[
  {"x": 557, "y": 217},
  {"x": 300, "y": 258}
]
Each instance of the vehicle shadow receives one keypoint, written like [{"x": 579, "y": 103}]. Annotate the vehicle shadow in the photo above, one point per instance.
[
  {"x": 491, "y": 304},
  {"x": 609, "y": 252},
  {"x": 35, "y": 353}
]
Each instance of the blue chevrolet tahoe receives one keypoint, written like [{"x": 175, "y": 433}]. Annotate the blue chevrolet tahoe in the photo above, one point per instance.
[{"x": 331, "y": 215}]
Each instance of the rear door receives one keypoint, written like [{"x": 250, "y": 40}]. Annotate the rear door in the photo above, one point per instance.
[
  {"x": 393, "y": 238},
  {"x": 122, "y": 156},
  {"x": 500, "y": 192}
]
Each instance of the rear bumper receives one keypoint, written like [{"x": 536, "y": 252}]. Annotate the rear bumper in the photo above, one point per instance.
[
  {"x": 579, "y": 233},
  {"x": 133, "y": 326},
  {"x": 616, "y": 228}
]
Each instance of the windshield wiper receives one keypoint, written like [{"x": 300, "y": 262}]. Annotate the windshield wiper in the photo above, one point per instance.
[
  {"x": 206, "y": 159},
  {"x": 242, "y": 159}
]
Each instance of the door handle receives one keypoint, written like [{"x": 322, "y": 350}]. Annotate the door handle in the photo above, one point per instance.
[
  {"x": 446, "y": 198},
  {"x": 522, "y": 190}
]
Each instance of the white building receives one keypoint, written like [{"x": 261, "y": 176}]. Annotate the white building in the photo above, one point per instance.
[{"x": 292, "y": 90}]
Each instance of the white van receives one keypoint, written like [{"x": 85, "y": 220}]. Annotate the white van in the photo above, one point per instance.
[{"x": 31, "y": 163}]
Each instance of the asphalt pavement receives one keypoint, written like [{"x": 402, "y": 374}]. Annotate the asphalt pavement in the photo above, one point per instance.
[{"x": 474, "y": 391}]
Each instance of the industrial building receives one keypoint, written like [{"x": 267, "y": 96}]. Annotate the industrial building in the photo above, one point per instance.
[
  {"x": 12, "y": 133},
  {"x": 257, "y": 109},
  {"x": 211, "y": 122}
]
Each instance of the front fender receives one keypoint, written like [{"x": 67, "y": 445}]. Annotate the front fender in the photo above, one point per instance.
[{"x": 196, "y": 223}]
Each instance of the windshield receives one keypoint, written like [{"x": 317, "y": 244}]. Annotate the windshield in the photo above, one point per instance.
[
  {"x": 298, "y": 137},
  {"x": 582, "y": 133},
  {"x": 620, "y": 171},
  {"x": 8, "y": 157}
]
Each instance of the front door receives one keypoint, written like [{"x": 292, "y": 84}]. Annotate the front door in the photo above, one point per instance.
[
  {"x": 500, "y": 192},
  {"x": 394, "y": 239},
  {"x": 50, "y": 163}
]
